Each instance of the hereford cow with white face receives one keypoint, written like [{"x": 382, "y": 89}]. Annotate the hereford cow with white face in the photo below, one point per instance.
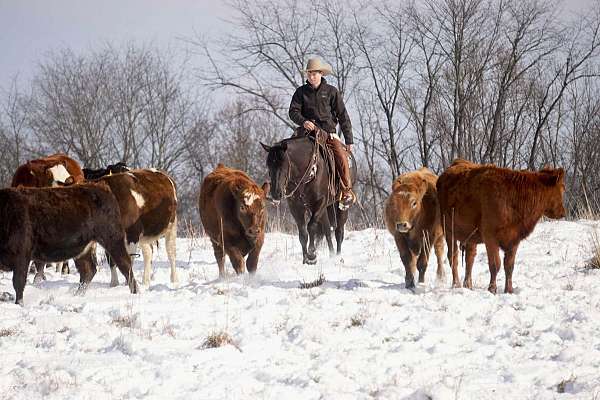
[{"x": 233, "y": 213}]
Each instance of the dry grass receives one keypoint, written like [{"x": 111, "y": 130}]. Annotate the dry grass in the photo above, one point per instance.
[
  {"x": 594, "y": 261},
  {"x": 562, "y": 386},
  {"x": 218, "y": 339},
  {"x": 309, "y": 285},
  {"x": 357, "y": 320},
  {"x": 124, "y": 321},
  {"x": 8, "y": 332}
]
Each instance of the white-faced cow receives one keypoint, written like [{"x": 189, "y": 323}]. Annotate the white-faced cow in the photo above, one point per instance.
[
  {"x": 147, "y": 200},
  {"x": 233, "y": 213},
  {"x": 54, "y": 224},
  {"x": 51, "y": 171}
]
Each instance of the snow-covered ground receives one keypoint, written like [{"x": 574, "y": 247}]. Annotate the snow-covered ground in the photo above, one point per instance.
[{"x": 360, "y": 335}]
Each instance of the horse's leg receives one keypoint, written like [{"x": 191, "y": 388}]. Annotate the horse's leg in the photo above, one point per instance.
[
  {"x": 298, "y": 212},
  {"x": 313, "y": 229},
  {"x": 342, "y": 217}
]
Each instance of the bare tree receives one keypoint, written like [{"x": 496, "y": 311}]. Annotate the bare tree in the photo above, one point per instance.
[{"x": 385, "y": 54}]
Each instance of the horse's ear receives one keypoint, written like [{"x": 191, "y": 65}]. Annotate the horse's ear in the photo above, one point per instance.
[{"x": 264, "y": 146}]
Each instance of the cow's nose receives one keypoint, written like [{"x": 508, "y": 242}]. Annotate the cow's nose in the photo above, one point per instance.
[
  {"x": 402, "y": 226},
  {"x": 253, "y": 231}
]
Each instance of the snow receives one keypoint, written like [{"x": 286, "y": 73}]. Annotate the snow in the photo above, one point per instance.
[{"x": 360, "y": 335}]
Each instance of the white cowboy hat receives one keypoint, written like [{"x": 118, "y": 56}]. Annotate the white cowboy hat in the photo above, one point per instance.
[{"x": 315, "y": 64}]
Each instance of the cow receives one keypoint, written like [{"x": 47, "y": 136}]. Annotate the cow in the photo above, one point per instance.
[
  {"x": 54, "y": 224},
  {"x": 95, "y": 174},
  {"x": 232, "y": 211},
  {"x": 412, "y": 216},
  {"x": 54, "y": 170},
  {"x": 51, "y": 171},
  {"x": 495, "y": 206},
  {"x": 147, "y": 201}
]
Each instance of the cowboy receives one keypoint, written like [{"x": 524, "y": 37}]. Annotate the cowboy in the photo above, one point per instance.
[{"x": 317, "y": 104}]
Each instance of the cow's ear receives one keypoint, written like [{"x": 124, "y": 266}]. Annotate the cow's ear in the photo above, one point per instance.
[
  {"x": 552, "y": 177},
  {"x": 264, "y": 146},
  {"x": 266, "y": 187}
]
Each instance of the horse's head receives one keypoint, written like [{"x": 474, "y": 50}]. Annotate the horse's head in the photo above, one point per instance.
[{"x": 277, "y": 163}]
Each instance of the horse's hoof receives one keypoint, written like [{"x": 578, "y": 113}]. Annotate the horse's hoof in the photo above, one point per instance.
[{"x": 81, "y": 289}]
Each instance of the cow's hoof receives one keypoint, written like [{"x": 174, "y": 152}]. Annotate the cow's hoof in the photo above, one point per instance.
[
  {"x": 39, "y": 278},
  {"x": 492, "y": 289},
  {"x": 65, "y": 271},
  {"x": 456, "y": 285}
]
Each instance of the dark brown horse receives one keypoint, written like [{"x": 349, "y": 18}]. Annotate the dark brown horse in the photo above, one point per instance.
[{"x": 299, "y": 173}]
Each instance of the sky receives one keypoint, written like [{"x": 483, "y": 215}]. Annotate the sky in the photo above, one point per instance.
[{"x": 32, "y": 28}]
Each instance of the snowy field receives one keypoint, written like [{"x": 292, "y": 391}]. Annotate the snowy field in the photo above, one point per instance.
[{"x": 360, "y": 335}]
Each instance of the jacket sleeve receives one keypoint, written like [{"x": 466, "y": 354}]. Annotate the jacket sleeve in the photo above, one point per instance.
[
  {"x": 343, "y": 118},
  {"x": 295, "y": 112}
]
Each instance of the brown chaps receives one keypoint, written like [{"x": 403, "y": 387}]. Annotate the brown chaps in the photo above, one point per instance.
[{"x": 341, "y": 161}]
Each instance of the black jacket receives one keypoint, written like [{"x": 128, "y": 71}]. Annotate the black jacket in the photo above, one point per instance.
[{"x": 324, "y": 106}]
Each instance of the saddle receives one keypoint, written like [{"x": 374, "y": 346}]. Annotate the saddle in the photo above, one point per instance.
[{"x": 320, "y": 136}]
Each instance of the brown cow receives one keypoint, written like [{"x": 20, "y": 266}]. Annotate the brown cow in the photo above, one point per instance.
[
  {"x": 412, "y": 216},
  {"x": 495, "y": 206},
  {"x": 51, "y": 171},
  {"x": 232, "y": 210},
  {"x": 148, "y": 203},
  {"x": 54, "y": 224}
]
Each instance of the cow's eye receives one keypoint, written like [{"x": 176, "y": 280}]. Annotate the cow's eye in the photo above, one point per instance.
[
  {"x": 414, "y": 204},
  {"x": 243, "y": 208}
]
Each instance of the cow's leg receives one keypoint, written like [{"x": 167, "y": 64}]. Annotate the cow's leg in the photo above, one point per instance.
[
  {"x": 408, "y": 260},
  {"x": 453, "y": 257},
  {"x": 438, "y": 246},
  {"x": 40, "y": 275},
  {"x": 116, "y": 248},
  {"x": 114, "y": 278},
  {"x": 19, "y": 279},
  {"x": 298, "y": 212},
  {"x": 171, "y": 246},
  {"x": 470, "y": 253},
  {"x": 65, "y": 268},
  {"x": 237, "y": 260},
  {"x": 422, "y": 263},
  {"x": 219, "y": 252},
  {"x": 87, "y": 269},
  {"x": 509, "y": 263},
  {"x": 147, "y": 254},
  {"x": 342, "y": 217},
  {"x": 493, "y": 252},
  {"x": 252, "y": 260}
]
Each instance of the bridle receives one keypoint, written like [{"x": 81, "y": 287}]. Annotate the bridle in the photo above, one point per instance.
[{"x": 311, "y": 165}]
